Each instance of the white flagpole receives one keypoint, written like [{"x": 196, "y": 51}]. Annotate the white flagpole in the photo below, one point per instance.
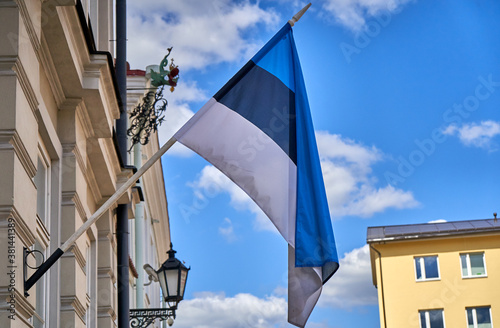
[
  {"x": 118, "y": 193},
  {"x": 298, "y": 15},
  {"x": 91, "y": 220}
]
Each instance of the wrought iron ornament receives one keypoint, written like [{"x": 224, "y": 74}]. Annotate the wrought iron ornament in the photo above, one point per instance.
[
  {"x": 145, "y": 317},
  {"x": 150, "y": 113}
]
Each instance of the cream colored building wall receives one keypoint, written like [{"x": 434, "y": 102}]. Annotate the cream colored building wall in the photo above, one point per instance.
[
  {"x": 404, "y": 296},
  {"x": 57, "y": 99}
]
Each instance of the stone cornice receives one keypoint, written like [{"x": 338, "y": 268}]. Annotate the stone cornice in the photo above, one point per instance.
[
  {"x": 71, "y": 198},
  {"x": 9, "y": 139},
  {"x": 74, "y": 35},
  {"x": 72, "y": 303},
  {"x": 26, "y": 236},
  {"x": 83, "y": 117},
  {"x": 8, "y": 4},
  {"x": 79, "y": 257},
  {"x": 100, "y": 62},
  {"x": 42, "y": 232},
  {"x": 30, "y": 28},
  {"x": 106, "y": 311},
  {"x": 106, "y": 272},
  {"x": 24, "y": 81},
  {"x": 23, "y": 306},
  {"x": 51, "y": 73},
  {"x": 74, "y": 251},
  {"x": 70, "y": 149}
]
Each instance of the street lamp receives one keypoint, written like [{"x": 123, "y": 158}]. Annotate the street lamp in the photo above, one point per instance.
[{"x": 172, "y": 276}]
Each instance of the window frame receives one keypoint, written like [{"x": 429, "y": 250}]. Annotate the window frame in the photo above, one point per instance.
[
  {"x": 474, "y": 315},
  {"x": 428, "y": 318},
  {"x": 44, "y": 158},
  {"x": 469, "y": 267},
  {"x": 422, "y": 268}
]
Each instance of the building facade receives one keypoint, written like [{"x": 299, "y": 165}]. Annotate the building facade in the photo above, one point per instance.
[
  {"x": 437, "y": 274},
  {"x": 58, "y": 106}
]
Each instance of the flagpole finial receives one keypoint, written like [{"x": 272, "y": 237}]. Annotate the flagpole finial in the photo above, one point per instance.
[{"x": 297, "y": 16}]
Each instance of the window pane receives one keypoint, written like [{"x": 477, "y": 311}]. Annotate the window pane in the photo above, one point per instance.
[
  {"x": 483, "y": 317},
  {"x": 40, "y": 183},
  {"x": 417, "y": 268},
  {"x": 431, "y": 267},
  {"x": 470, "y": 319},
  {"x": 463, "y": 260},
  {"x": 436, "y": 319},
  {"x": 477, "y": 264},
  {"x": 423, "y": 324}
]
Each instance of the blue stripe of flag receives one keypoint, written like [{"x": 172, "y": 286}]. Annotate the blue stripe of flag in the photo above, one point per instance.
[{"x": 269, "y": 92}]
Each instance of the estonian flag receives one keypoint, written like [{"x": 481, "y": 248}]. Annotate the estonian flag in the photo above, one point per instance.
[{"x": 258, "y": 131}]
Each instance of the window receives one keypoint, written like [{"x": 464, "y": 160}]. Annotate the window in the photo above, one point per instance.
[
  {"x": 42, "y": 183},
  {"x": 431, "y": 319},
  {"x": 427, "y": 268},
  {"x": 473, "y": 265},
  {"x": 479, "y": 317}
]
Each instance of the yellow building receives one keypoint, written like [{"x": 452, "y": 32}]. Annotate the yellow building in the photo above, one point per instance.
[{"x": 437, "y": 274}]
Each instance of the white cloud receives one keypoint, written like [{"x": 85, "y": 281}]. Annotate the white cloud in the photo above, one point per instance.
[
  {"x": 227, "y": 231},
  {"x": 476, "y": 135},
  {"x": 209, "y": 310},
  {"x": 352, "y": 284},
  {"x": 202, "y": 32},
  {"x": 354, "y": 14},
  {"x": 350, "y": 185}
]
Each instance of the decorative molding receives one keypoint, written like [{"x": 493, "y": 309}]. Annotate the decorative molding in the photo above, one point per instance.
[
  {"x": 75, "y": 37},
  {"x": 99, "y": 62},
  {"x": 72, "y": 304},
  {"x": 83, "y": 117},
  {"x": 10, "y": 140},
  {"x": 108, "y": 146},
  {"x": 71, "y": 149},
  {"x": 79, "y": 256},
  {"x": 8, "y": 4},
  {"x": 70, "y": 104},
  {"x": 28, "y": 91},
  {"x": 71, "y": 198},
  {"x": 42, "y": 232},
  {"x": 24, "y": 309},
  {"x": 74, "y": 251},
  {"x": 7, "y": 65},
  {"x": 25, "y": 234},
  {"x": 107, "y": 273},
  {"x": 28, "y": 23},
  {"x": 106, "y": 311},
  {"x": 51, "y": 73}
]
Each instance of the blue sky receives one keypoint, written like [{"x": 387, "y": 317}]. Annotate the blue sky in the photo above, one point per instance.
[{"x": 404, "y": 97}]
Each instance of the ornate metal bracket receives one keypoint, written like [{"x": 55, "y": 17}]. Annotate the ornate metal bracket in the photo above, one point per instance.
[
  {"x": 27, "y": 252},
  {"x": 145, "y": 317},
  {"x": 150, "y": 113}
]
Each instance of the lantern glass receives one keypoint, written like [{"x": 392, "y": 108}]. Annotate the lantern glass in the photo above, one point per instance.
[
  {"x": 163, "y": 285},
  {"x": 172, "y": 277}
]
